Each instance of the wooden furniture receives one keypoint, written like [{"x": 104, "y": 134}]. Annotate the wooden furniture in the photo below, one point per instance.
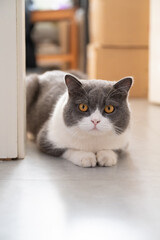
[
  {"x": 119, "y": 42},
  {"x": 59, "y": 15}
]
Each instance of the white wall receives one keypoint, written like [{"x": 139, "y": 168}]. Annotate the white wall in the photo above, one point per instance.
[
  {"x": 12, "y": 93},
  {"x": 154, "y": 57}
]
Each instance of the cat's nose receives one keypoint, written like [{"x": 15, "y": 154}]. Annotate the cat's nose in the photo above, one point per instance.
[{"x": 95, "y": 122}]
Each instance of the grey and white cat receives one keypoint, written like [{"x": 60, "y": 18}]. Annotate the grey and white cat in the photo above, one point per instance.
[{"x": 83, "y": 121}]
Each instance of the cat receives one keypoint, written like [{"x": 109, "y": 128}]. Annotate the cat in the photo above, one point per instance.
[{"x": 83, "y": 121}]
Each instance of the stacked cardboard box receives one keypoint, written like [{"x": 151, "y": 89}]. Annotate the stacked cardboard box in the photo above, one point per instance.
[{"x": 119, "y": 42}]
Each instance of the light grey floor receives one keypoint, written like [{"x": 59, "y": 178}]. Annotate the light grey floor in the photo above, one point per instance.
[{"x": 46, "y": 198}]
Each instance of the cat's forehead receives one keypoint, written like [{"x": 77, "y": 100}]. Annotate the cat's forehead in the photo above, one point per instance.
[{"x": 97, "y": 90}]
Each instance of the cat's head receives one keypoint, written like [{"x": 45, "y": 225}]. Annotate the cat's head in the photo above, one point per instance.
[{"x": 97, "y": 107}]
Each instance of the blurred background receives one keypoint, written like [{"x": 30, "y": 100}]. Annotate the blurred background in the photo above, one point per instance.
[{"x": 107, "y": 39}]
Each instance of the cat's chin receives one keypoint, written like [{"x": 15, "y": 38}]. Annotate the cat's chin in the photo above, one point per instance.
[
  {"x": 95, "y": 133},
  {"x": 91, "y": 132}
]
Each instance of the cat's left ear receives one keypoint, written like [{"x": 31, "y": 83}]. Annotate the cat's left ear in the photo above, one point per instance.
[
  {"x": 124, "y": 84},
  {"x": 72, "y": 83}
]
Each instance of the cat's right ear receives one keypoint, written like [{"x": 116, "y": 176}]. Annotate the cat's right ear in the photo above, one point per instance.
[{"x": 72, "y": 83}]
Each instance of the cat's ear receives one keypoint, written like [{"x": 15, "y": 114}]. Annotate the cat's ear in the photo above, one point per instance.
[
  {"x": 124, "y": 84},
  {"x": 72, "y": 83}
]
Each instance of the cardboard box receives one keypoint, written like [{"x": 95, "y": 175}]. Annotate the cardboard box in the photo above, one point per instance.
[
  {"x": 116, "y": 63},
  {"x": 119, "y": 23}
]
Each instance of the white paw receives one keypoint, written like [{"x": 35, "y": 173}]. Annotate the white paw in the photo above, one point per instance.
[
  {"x": 85, "y": 159},
  {"x": 106, "y": 158},
  {"x": 81, "y": 158},
  {"x": 89, "y": 160}
]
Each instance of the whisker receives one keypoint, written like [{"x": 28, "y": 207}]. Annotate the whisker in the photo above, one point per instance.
[{"x": 118, "y": 130}]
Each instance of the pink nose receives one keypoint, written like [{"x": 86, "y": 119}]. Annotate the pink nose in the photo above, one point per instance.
[{"x": 95, "y": 122}]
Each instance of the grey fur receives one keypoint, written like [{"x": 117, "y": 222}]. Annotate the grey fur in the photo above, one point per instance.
[
  {"x": 32, "y": 90},
  {"x": 46, "y": 146},
  {"x": 43, "y": 92},
  {"x": 41, "y": 100},
  {"x": 42, "y": 97}
]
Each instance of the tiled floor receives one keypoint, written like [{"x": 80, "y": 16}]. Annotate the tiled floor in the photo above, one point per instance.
[{"x": 43, "y": 198}]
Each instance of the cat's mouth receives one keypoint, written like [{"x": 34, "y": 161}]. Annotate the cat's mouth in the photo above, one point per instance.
[{"x": 94, "y": 129}]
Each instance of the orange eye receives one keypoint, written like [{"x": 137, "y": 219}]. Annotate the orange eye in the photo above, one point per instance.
[
  {"x": 109, "y": 109},
  {"x": 83, "y": 107}
]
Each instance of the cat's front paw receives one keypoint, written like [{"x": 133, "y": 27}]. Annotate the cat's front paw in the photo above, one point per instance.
[
  {"x": 86, "y": 159},
  {"x": 106, "y": 158},
  {"x": 80, "y": 158}
]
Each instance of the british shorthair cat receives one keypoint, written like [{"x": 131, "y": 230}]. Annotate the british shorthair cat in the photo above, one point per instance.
[{"x": 83, "y": 121}]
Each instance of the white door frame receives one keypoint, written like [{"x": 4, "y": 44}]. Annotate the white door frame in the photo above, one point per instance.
[
  {"x": 21, "y": 74},
  {"x": 12, "y": 79}
]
